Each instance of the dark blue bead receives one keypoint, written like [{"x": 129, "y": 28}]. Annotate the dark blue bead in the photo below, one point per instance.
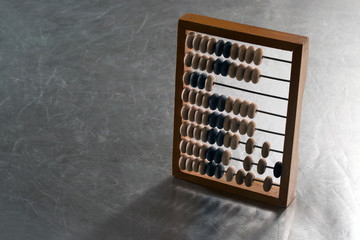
[
  {"x": 227, "y": 49},
  {"x": 221, "y": 103},
  {"x": 217, "y": 66},
  {"x": 212, "y": 136},
  {"x": 210, "y": 153},
  {"x": 210, "y": 170},
  {"x": 277, "y": 169},
  {"x": 201, "y": 81},
  {"x": 218, "y": 155},
  {"x": 213, "y": 119},
  {"x": 220, "y": 138},
  {"x": 219, "y": 48},
  {"x": 194, "y": 79},
  {"x": 214, "y": 99},
  {"x": 219, "y": 171},
  {"x": 225, "y": 68},
  {"x": 220, "y": 121}
]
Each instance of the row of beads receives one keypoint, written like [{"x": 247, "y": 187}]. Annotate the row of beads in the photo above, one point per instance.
[
  {"x": 218, "y": 66},
  {"x": 220, "y": 102},
  {"x": 201, "y": 81},
  {"x": 210, "y": 45},
  {"x": 261, "y": 166},
  {"x": 212, "y": 169}
]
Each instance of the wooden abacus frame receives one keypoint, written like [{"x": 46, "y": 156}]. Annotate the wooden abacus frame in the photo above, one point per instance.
[{"x": 299, "y": 46}]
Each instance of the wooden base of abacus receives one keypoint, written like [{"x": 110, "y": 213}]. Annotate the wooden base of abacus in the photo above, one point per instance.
[{"x": 280, "y": 196}]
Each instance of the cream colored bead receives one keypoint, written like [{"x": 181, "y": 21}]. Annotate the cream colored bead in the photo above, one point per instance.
[
  {"x": 189, "y": 163},
  {"x": 185, "y": 94},
  {"x": 252, "y": 110},
  {"x": 230, "y": 172},
  {"x": 265, "y": 149},
  {"x": 234, "y": 142},
  {"x": 234, "y": 125},
  {"x": 204, "y": 133},
  {"x": 189, "y": 39},
  {"x": 258, "y": 56},
  {"x": 227, "y": 139},
  {"x": 210, "y": 64},
  {"x": 196, "y": 164},
  {"x": 195, "y": 61},
  {"x": 249, "y": 56},
  {"x": 249, "y": 179},
  {"x": 192, "y": 95},
  {"x": 211, "y": 45},
  {"x": 237, "y": 106},
  {"x": 191, "y": 114},
  {"x": 203, "y": 44},
  {"x": 227, "y": 122},
  {"x": 267, "y": 183},
  {"x": 244, "y": 108},
  {"x": 196, "y": 41},
  {"x": 183, "y": 129},
  {"x": 185, "y": 112},
  {"x": 203, "y": 149},
  {"x": 202, "y": 62},
  {"x": 206, "y": 99},
  {"x": 229, "y": 104},
  {"x": 209, "y": 83},
  {"x": 232, "y": 69},
  {"x": 189, "y": 147},
  {"x": 197, "y": 132},
  {"x": 250, "y": 144},
  {"x": 226, "y": 157},
  {"x": 199, "y": 97},
  {"x": 255, "y": 75},
  {"x": 234, "y": 51},
  {"x": 240, "y": 71},
  {"x": 261, "y": 167},
  {"x": 188, "y": 58},
  {"x": 248, "y": 162},
  {"x": 186, "y": 77},
  {"x": 182, "y": 162},
  {"x": 198, "y": 115},
  {"x": 240, "y": 176},
  {"x": 251, "y": 128},
  {"x": 202, "y": 168},
  {"x": 242, "y": 52},
  {"x": 182, "y": 146},
  {"x": 205, "y": 117},
  {"x": 247, "y": 73},
  {"x": 196, "y": 149},
  {"x": 243, "y": 126},
  {"x": 190, "y": 130}
]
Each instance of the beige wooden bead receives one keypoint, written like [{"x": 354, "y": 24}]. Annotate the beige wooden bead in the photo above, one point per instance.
[
  {"x": 261, "y": 167},
  {"x": 234, "y": 125},
  {"x": 196, "y": 41},
  {"x": 210, "y": 64},
  {"x": 199, "y": 97},
  {"x": 234, "y": 142},
  {"x": 206, "y": 99},
  {"x": 189, "y": 147},
  {"x": 189, "y": 39},
  {"x": 234, "y": 51},
  {"x": 202, "y": 62},
  {"x": 265, "y": 149},
  {"x": 243, "y": 126},
  {"x": 252, "y": 110},
  {"x": 198, "y": 115},
  {"x": 182, "y": 146},
  {"x": 232, "y": 69},
  {"x": 209, "y": 83},
  {"x": 255, "y": 75},
  {"x": 203, "y": 44},
  {"x": 240, "y": 71},
  {"x": 247, "y": 73},
  {"x": 203, "y": 149},
  {"x": 185, "y": 112},
  {"x": 195, "y": 61},
  {"x": 189, "y": 163},
  {"x": 227, "y": 122},
  {"x": 192, "y": 95},
  {"x": 249, "y": 179},
  {"x": 202, "y": 167},
  {"x": 183, "y": 129},
  {"x": 186, "y": 77},
  {"x": 204, "y": 133},
  {"x": 244, "y": 108},
  {"x": 211, "y": 45},
  {"x": 197, "y": 132},
  {"x": 237, "y": 106},
  {"x": 240, "y": 175},
  {"x": 251, "y": 128},
  {"x": 249, "y": 56},
  {"x": 227, "y": 139},
  {"x": 267, "y": 183},
  {"x": 250, "y": 144},
  {"x": 258, "y": 56},
  {"x": 205, "y": 117},
  {"x": 230, "y": 172},
  {"x": 229, "y": 104},
  {"x": 185, "y": 94},
  {"x": 226, "y": 157},
  {"x": 196, "y": 164},
  {"x": 248, "y": 162},
  {"x": 182, "y": 162},
  {"x": 196, "y": 149},
  {"x": 188, "y": 58},
  {"x": 191, "y": 114},
  {"x": 242, "y": 52},
  {"x": 190, "y": 130}
]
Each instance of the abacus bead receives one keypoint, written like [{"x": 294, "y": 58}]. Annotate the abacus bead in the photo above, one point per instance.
[
  {"x": 247, "y": 73},
  {"x": 184, "y": 112},
  {"x": 277, "y": 169},
  {"x": 202, "y": 62},
  {"x": 250, "y": 144},
  {"x": 210, "y": 64},
  {"x": 182, "y": 161},
  {"x": 195, "y": 61},
  {"x": 220, "y": 137},
  {"x": 210, "y": 170},
  {"x": 182, "y": 146},
  {"x": 210, "y": 153},
  {"x": 265, "y": 150},
  {"x": 226, "y": 157},
  {"x": 243, "y": 126},
  {"x": 255, "y": 75},
  {"x": 188, "y": 58},
  {"x": 213, "y": 119},
  {"x": 191, "y": 114},
  {"x": 201, "y": 81},
  {"x": 203, "y": 166},
  {"x": 249, "y": 179},
  {"x": 183, "y": 129},
  {"x": 189, "y": 164},
  {"x": 211, "y": 46},
  {"x": 194, "y": 79},
  {"x": 185, "y": 94},
  {"x": 197, "y": 132},
  {"x": 190, "y": 130},
  {"x": 244, "y": 108},
  {"x": 227, "y": 139},
  {"x": 186, "y": 77},
  {"x": 218, "y": 155},
  {"x": 203, "y": 151},
  {"x": 196, "y": 164},
  {"x": 227, "y": 122},
  {"x": 198, "y": 115},
  {"x": 206, "y": 99},
  {"x": 199, "y": 97},
  {"x": 227, "y": 48},
  {"x": 204, "y": 133},
  {"x": 221, "y": 103},
  {"x": 230, "y": 172},
  {"x": 203, "y": 44},
  {"x": 219, "y": 48},
  {"x": 240, "y": 175},
  {"x": 196, "y": 149},
  {"x": 196, "y": 41},
  {"x": 234, "y": 125},
  {"x": 251, "y": 128},
  {"x": 219, "y": 171},
  {"x": 209, "y": 83},
  {"x": 214, "y": 101},
  {"x": 205, "y": 117},
  {"x": 189, "y": 39},
  {"x": 252, "y": 110},
  {"x": 232, "y": 69},
  {"x": 212, "y": 136},
  {"x": 248, "y": 162},
  {"x": 261, "y": 167},
  {"x": 234, "y": 142},
  {"x": 225, "y": 68},
  {"x": 229, "y": 104},
  {"x": 267, "y": 183},
  {"x": 249, "y": 56},
  {"x": 242, "y": 52},
  {"x": 217, "y": 66},
  {"x": 192, "y": 96},
  {"x": 189, "y": 148},
  {"x": 258, "y": 56},
  {"x": 234, "y": 51},
  {"x": 220, "y": 121},
  {"x": 237, "y": 106},
  {"x": 240, "y": 72}
]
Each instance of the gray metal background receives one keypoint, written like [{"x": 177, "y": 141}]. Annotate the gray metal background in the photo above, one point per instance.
[{"x": 86, "y": 110}]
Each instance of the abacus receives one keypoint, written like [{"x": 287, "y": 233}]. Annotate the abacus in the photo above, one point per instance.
[{"x": 244, "y": 142}]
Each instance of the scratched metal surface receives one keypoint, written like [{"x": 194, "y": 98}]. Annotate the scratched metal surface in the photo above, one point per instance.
[{"x": 86, "y": 110}]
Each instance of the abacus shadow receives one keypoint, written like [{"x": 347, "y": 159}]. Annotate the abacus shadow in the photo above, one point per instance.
[{"x": 175, "y": 209}]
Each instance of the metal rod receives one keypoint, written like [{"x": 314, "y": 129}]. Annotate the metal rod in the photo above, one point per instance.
[
  {"x": 277, "y": 59},
  {"x": 267, "y": 131},
  {"x": 270, "y": 113},
  {"x": 275, "y": 78}
]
